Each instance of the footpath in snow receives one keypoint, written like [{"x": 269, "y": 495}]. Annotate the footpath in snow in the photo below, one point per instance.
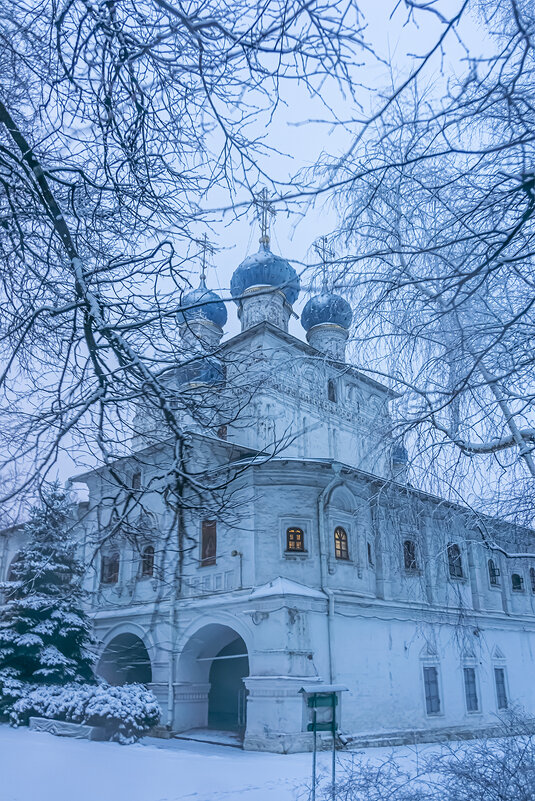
[{"x": 41, "y": 767}]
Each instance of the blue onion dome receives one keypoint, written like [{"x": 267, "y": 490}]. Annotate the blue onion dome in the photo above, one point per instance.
[
  {"x": 326, "y": 308},
  {"x": 265, "y": 269},
  {"x": 400, "y": 454},
  {"x": 205, "y": 305},
  {"x": 207, "y": 370}
]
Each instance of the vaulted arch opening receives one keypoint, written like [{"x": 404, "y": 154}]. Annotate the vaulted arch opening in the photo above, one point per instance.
[
  {"x": 125, "y": 660},
  {"x": 216, "y": 658}
]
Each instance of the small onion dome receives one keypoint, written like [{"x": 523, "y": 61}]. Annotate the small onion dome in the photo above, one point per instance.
[
  {"x": 206, "y": 370},
  {"x": 400, "y": 454},
  {"x": 326, "y": 309},
  {"x": 265, "y": 269},
  {"x": 205, "y": 305}
]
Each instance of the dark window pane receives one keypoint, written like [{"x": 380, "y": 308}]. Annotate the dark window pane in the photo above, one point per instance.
[
  {"x": 370, "y": 555},
  {"x": 532, "y": 578},
  {"x": 517, "y": 582},
  {"x": 432, "y": 696},
  {"x": 295, "y": 540},
  {"x": 455, "y": 561},
  {"x": 136, "y": 481},
  {"x": 493, "y": 573},
  {"x": 470, "y": 689},
  {"x": 341, "y": 550},
  {"x": 109, "y": 568},
  {"x": 331, "y": 390},
  {"x": 208, "y": 542},
  {"x": 409, "y": 555},
  {"x": 501, "y": 692},
  {"x": 147, "y": 561}
]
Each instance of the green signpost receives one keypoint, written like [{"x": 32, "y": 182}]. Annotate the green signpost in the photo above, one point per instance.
[{"x": 322, "y": 701}]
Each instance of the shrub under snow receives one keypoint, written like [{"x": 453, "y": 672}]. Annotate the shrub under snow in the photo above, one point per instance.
[{"x": 126, "y": 712}]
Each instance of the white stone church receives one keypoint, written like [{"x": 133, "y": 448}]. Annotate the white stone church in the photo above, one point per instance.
[{"x": 323, "y": 565}]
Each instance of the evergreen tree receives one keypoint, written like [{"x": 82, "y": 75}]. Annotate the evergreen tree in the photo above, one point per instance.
[{"x": 44, "y": 632}]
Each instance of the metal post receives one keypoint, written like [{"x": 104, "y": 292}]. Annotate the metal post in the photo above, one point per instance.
[
  {"x": 314, "y": 715},
  {"x": 333, "y": 769}
]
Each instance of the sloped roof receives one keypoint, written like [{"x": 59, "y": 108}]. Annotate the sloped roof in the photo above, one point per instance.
[{"x": 284, "y": 586}]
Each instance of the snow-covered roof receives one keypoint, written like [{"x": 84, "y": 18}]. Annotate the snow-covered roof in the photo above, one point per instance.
[{"x": 283, "y": 586}]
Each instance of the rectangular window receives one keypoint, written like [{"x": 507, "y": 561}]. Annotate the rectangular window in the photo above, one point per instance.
[
  {"x": 501, "y": 692},
  {"x": 136, "y": 481},
  {"x": 432, "y": 695},
  {"x": 208, "y": 543},
  {"x": 470, "y": 689}
]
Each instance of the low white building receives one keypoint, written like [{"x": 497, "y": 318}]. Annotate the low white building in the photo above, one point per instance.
[{"x": 323, "y": 565}]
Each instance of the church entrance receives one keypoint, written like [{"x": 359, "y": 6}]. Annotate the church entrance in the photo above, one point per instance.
[
  {"x": 125, "y": 660},
  {"x": 227, "y": 696}
]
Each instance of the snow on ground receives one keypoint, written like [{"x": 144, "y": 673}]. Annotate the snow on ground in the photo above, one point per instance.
[{"x": 35, "y": 766}]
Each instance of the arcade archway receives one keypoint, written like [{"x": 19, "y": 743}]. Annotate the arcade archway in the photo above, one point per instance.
[
  {"x": 215, "y": 659},
  {"x": 125, "y": 660}
]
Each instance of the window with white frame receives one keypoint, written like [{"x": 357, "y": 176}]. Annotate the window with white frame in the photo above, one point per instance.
[
  {"x": 470, "y": 689},
  {"x": 432, "y": 689}
]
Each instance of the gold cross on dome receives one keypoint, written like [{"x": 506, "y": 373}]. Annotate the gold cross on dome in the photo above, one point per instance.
[{"x": 265, "y": 213}]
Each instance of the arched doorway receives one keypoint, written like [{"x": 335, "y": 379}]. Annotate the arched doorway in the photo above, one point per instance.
[
  {"x": 125, "y": 660},
  {"x": 226, "y": 697},
  {"x": 210, "y": 680}
]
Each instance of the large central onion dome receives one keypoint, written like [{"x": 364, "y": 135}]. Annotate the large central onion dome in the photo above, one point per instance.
[
  {"x": 204, "y": 305},
  {"x": 265, "y": 269},
  {"x": 326, "y": 309}
]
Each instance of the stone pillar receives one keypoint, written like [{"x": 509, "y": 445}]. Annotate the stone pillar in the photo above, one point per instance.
[
  {"x": 329, "y": 339},
  {"x": 191, "y": 706},
  {"x": 276, "y": 719}
]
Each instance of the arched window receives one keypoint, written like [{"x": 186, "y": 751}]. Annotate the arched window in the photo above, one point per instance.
[
  {"x": 340, "y": 543},
  {"x": 455, "y": 562},
  {"x": 532, "y": 578},
  {"x": 494, "y": 573},
  {"x": 295, "y": 540},
  {"x": 147, "y": 562},
  {"x": 517, "y": 582},
  {"x": 109, "y": 568},
  {"x": 331, "y": 390},
  {"x": 409, "y": 555}
]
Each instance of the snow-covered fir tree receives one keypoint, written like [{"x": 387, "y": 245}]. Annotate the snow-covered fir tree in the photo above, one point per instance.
[{"x": 44, "y": 633}]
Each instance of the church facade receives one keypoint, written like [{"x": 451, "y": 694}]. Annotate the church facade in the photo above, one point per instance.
[{"x": 325, "y": 567}]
